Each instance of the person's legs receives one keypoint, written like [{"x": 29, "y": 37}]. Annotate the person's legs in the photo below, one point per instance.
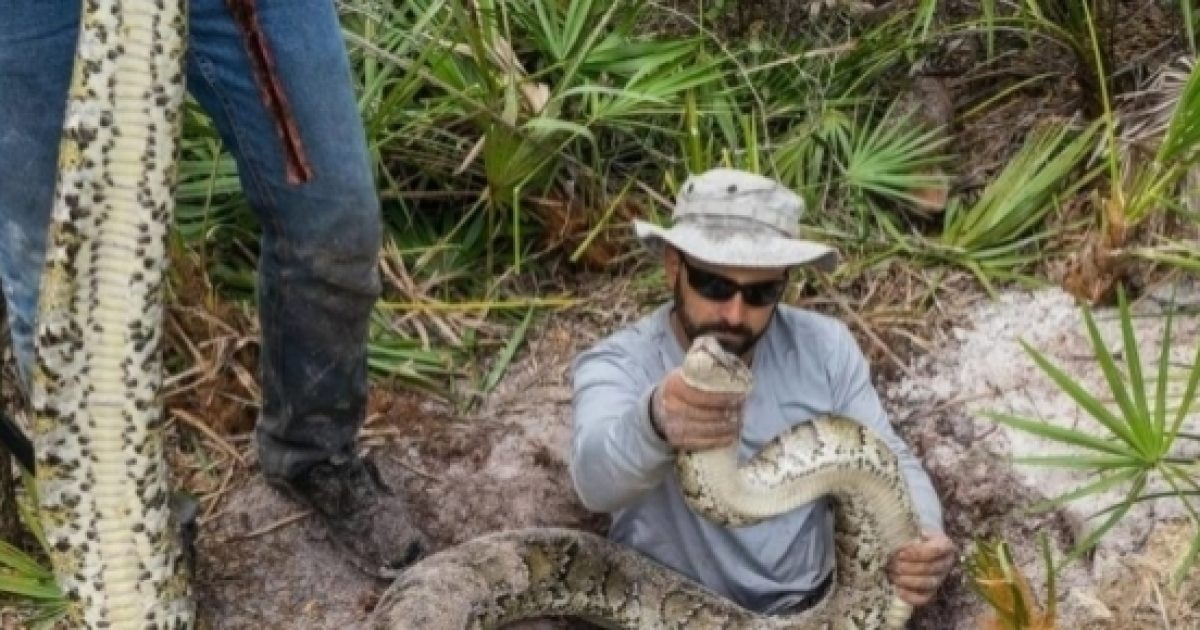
[
  {"x": 318, "y": 275},
  {"x": 320, "y": 239},
  {"x": 37, "y": 47}
]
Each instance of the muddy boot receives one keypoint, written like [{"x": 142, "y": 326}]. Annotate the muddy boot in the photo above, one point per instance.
[{"x": 365, "y": 518}]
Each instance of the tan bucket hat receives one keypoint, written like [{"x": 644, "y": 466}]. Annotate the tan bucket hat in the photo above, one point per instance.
[{"x": 730, "y": 217}]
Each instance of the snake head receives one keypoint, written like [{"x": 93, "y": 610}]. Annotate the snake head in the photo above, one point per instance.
[{"x": 710, "y": 366}]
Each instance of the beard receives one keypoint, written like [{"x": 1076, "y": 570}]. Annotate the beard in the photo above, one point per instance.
[{"x": 736, "y": 340}]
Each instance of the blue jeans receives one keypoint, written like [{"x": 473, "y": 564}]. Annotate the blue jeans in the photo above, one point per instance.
[{"x": 318, "y": 277}]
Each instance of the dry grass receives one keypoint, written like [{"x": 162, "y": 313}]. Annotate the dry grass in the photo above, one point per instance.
[
  {"x": 1137, "y": 591},
  {"x": 1012, "y": 603},
  {"x": 897, "y": 310}
]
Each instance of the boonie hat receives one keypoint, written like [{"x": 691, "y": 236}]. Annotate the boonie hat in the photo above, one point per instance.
[{"x": 731, "y": 217}]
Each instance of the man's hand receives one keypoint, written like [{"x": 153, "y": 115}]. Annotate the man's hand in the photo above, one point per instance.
[
  {"x": 918, "y": 568},
  {"x": 692, "y": 419}
]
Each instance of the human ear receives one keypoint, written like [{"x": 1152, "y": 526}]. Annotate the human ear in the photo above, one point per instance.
[{"x": 671, "y": 266}]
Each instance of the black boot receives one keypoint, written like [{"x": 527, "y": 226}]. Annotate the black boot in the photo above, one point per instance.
[{"x": 364, "y": 517}]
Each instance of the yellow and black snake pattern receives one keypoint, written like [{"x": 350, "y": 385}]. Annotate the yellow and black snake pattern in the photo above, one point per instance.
[
  {"x": 490, "y": 581},
  {"x": 97, "y": 413},
  {"x": 101, "y": 472}
]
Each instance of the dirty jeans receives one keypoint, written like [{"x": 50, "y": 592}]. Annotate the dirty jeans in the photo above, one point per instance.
[{"x": 317, "y": 276}]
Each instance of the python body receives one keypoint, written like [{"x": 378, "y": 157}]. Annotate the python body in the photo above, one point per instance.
[
  {"x": 101, "y": 474},
  {"x": 102, "y": 478},
  {"x": 495, "y": 579}
]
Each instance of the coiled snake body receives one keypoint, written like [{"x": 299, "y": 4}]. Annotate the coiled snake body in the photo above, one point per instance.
[
  {"x": 102, "y": 477},
  {"x": 97, "y": 414},
  {"x": 498, "y": 578}
]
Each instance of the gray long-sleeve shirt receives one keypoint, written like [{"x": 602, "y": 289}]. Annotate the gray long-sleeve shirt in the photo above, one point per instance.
[{"x": 805, "y": 365}]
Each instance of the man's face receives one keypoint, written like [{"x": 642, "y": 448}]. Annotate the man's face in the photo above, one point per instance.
[{"x": 733, "y": 303}]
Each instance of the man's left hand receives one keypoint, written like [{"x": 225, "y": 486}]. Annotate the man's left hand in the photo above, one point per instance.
[{"x": 918, "y": 568}]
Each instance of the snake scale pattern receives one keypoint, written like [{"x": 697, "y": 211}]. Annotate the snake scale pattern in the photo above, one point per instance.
[
  {"x": 102, "y": 476},
  {"x": 498, "y": 578},
  {"x": 97, "y": 414}
]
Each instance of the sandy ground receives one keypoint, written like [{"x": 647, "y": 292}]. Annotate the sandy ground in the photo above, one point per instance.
[
  {"x": 983, "y": 368},
  {"x": 504, "y": 466},
  {"x": 264, "y": 565}
]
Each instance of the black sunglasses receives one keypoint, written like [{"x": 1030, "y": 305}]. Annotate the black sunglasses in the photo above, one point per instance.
[{"x": 718, "y": 288}]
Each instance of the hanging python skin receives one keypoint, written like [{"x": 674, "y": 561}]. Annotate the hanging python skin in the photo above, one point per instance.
[{"x": 101, "y": 472}]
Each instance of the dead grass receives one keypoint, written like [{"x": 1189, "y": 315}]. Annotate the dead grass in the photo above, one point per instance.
[{"x": 1138, "y": 593}]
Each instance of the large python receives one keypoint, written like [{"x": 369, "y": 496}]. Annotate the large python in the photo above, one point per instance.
[
  {"x": 498, "y": 578},
  {"x": 97, "y": 415},
  {"x": 102, "y": 477}
]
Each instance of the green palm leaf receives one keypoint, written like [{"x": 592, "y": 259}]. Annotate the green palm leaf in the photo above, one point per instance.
[
  {"x": 891, "y": 157},
  {"x": 1107, "y": 481},
  {"x": 1116, "y": 384},
  {"x": 1160, "y": 390},
  {"x": 1081, "y": 462},
  {"x": 25, "y": 587},
  {"x": 1189, "y": 394},
  {"x": 1064, "y": 435},
  {"x": 1139, "y": 482},
  {"x": 1134, "y": 360},
  {"x": 1022, "y": 194},
  {"x": 1081, "y": 397},
  {"x": 1141, "y": 447}
]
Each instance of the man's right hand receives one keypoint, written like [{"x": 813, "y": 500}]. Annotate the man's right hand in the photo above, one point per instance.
[{"x": 692, "y": 419}]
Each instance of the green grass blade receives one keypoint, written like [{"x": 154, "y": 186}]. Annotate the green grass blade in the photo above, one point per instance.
[
  {"x": 22, "y": 563},
  {"x": 1147, "y": 497},
  {"x": 549, "y": 29},
  {"x": 1048, "y": 560},
  {"x": 1064, "y": 435},
  {"x": 28, "y": 510},
  {"x": 554, "y": 125},
  {"x": 510, "y": 350},
  {"x": 1104, "y": 483},
  {"x": 1189, "y": 559},
  {"x": 1084, "y": 399},
  {"x": 1189, "y": 394},
  {"x": 577, "y": 58},
  {"x": 26, "y": 587},
  {"x": 1183, "y": 131},
  {"x": 1141, "y": 420},
  {"x": 1094, "y": 537},
  {"x": 1160, "y": 390},
  {"x": 1081, "y": 462},
  {"x": 577, "y": 17}
]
